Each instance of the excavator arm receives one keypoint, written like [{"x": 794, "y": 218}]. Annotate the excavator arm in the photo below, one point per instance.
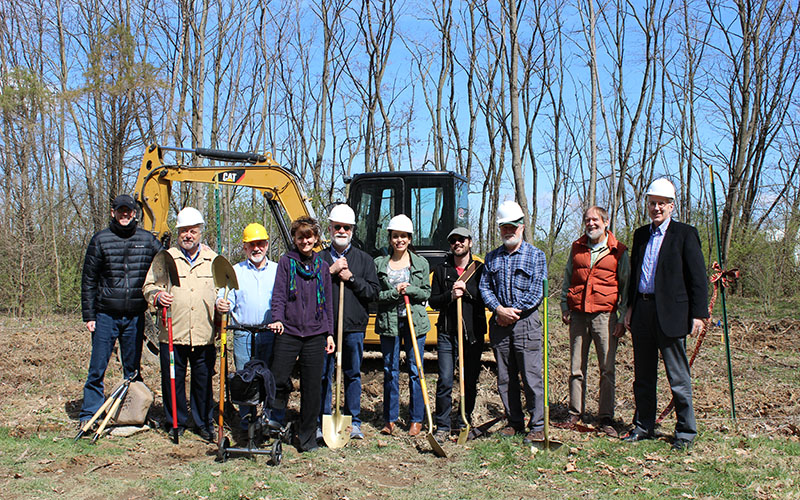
[{"x": 281, "y": 186}]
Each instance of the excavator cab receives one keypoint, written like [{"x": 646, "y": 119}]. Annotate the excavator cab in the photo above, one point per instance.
[{"x": 436, "y": 202}]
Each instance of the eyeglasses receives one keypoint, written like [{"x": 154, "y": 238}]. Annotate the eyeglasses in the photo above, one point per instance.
[
  {"x": 338, "y": 227},
  {"x": 459, "y": 239}
]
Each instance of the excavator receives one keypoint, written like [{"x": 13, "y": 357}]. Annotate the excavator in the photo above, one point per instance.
[{"x": 436, "y": 201}]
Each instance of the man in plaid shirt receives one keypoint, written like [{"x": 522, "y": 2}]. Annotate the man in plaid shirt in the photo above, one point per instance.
[{"x": 511, "y": 286}]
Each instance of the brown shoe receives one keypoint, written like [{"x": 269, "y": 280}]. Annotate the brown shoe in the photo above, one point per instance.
[
  {"x": 415, "y": 429},
  {"x": 508, "y": 431},
  {"x": 607, "y": 427},
  {"x": 533, "y": 436},
  {"x": 388, "y": 429}
]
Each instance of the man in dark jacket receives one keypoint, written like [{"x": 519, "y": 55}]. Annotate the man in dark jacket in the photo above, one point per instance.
[
  {"x": 356, "y": 269},
  {"x": 457, "y": 277},
  {"x": 668, "y": 300},
  {"x": 112, "y": 303}
]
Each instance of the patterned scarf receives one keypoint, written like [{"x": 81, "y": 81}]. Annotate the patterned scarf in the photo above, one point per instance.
[{"x": 294, "y": 269}]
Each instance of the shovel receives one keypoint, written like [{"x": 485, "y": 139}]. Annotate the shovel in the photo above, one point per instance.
[
  {"x": 166, "y": 274},
  {"x": 548, "y": 444},
  {"x": 437, "y": 448},
  {"x": 464, "y": 434},
  {"x": 336, "y": 427},
  {"x": 114, "y": 407},
  {"x": 108, "y": 402},
  {"x": 224, "y": 277}
]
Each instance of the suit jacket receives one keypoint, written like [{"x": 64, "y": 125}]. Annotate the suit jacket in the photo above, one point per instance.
[{"x": 681, "y": 287}]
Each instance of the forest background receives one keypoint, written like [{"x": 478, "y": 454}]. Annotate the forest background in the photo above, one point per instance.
[{"x": 559, "y": 104}]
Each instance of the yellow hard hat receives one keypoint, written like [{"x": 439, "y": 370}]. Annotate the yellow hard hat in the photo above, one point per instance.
[{"x": 254, "y": 232}]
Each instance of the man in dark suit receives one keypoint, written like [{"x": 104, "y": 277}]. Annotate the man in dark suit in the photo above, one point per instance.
[{"x": 668, "y": 299}]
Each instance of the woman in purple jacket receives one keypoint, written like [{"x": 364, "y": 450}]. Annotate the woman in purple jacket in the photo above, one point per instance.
[{"x": 302, "y": 311}]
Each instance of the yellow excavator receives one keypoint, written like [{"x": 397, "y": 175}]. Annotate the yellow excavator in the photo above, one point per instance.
[{"x": 436, "y": 201}]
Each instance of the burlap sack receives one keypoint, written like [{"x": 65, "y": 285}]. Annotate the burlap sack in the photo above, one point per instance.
[{"x": 134, "y": 408}]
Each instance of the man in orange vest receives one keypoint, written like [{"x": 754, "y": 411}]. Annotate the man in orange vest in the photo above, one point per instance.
[{"x": 594, "y": 292}]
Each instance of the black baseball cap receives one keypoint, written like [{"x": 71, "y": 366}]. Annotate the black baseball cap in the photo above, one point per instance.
[{"x": 124, "y": 200}]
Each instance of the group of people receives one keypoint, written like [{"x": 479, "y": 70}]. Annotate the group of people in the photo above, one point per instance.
[{"x": 289, "y": 309}]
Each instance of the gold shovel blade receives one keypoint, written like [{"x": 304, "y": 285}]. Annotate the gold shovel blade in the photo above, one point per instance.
[
  {"x": 336, "y": 430},
  {"x": 437, "y": 448},
  {"x": 164, "y": 270},
  {"x": 463, "y": 436},
  {"x": 547, "y": 445},
  {"x": 224, "y": 275}
]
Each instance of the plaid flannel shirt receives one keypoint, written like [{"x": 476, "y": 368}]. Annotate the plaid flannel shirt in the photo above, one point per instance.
[{"x": 514, "y": 280}]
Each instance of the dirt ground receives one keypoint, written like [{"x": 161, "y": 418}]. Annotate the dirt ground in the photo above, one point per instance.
[{"x": 44, "y": 364}]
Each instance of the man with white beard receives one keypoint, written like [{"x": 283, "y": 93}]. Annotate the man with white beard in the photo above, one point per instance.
[
  {"x": 356, "y": 269},
  {"x": 512, "y": 288},
  {"x": 593, "y": 294},
  {"x": 250, "y": 306}
]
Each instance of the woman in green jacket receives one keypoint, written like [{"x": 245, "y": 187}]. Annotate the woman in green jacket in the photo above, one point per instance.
[{"x": 401, "y": 273}]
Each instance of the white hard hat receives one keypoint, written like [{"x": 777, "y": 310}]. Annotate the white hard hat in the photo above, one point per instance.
[
  {"x": 509, "y": 212},
  {"x": 401, "y": 223},
  {"x": 661, "y": 187},
  {"x": 342, "y": 213},
  {"x": 189, "y": 217}
]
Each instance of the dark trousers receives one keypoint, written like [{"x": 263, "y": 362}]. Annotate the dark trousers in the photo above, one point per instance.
[
  {"x": 447, "y": 351},
  {"x": 648, "y": 340},
  {"x": 201, "y": 359},
  {"x": 108, "y": 328},
  {"x": 518, "y": 350},
  {"x": 310, "y": 351}
]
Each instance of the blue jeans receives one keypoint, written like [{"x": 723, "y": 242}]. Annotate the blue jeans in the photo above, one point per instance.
[
  {"x": 390, "y": 347},
  {"x": 108, "y": 328},
  {"x": 243, "y": 352},
  {"x": 352, "y": 354},
  {"x": 447, "y": 350}
]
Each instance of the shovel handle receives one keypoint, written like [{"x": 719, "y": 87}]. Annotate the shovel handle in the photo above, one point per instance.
[
  {"x": 460, "y": 340},
  {"x": 111, "y": 412},
  {"x": 339, "y": 342},
  {"x": 223, "y": 369},
  {"x": 418, "y": 360},
  {"x": 545, "y": 293},
  {"x": 173, "y": 396}
]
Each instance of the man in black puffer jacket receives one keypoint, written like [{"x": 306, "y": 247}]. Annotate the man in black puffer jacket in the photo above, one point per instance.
[{"x": 113, "y": 306}]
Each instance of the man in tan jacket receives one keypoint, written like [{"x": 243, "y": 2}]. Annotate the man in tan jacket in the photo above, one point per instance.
[{"x": 192, "y": 307}]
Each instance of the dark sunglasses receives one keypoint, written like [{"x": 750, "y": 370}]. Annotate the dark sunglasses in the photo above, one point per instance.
[
  {"x": 341, "y": 226},
  {"x": 455, "y": 239}
]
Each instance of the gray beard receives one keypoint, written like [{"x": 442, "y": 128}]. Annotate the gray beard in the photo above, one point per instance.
[
  {"x": 512, "y": 241},
  {"x": 597, "y": 234},
  {"x": 341, "y": 242}
]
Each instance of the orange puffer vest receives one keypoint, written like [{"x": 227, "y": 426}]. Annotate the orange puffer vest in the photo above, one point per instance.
[{"x": 594, "y": 288}]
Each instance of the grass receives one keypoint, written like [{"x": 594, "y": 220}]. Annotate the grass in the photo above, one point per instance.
[
  {"x": 750, "y": 307},
  {"x": 722, "y": 465}
]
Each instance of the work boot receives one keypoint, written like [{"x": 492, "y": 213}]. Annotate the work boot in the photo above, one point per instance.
[
  {"x": 415, "y": 429},
  {"x": 509, "y": 431},
  {"x": 205, "y": 433},
  {"x": 607, "y": 426},
  {"x": 681, "y": 445},
  {"x": 533, "y": 436},
  {"x": 388, "y": 429}
]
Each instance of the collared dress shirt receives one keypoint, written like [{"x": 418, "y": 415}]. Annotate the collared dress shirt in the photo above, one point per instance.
[
  {"x": 251, "y": 303},
  {"x": 647, "y": 279}
]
